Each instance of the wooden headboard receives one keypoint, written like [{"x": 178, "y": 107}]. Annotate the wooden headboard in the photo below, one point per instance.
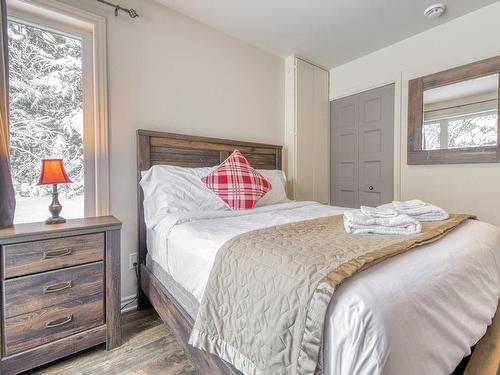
[{"x": 154, "y": 148}]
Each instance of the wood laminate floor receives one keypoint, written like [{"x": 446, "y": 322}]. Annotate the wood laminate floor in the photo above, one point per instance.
[{"x": 149, "y": 348}]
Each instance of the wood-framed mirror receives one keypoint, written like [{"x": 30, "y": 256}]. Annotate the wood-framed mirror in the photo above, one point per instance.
[{"x": 453, "y": 115}]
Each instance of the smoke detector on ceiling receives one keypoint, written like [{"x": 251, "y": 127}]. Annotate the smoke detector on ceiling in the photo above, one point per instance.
[{"x": 435, "y": 11}]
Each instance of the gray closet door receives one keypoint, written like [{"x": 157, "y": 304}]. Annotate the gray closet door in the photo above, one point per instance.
[
  {"x": 344, "y": 151},
  {"x": 362, "y": 141},
  {"x": 376, "y": 146}
]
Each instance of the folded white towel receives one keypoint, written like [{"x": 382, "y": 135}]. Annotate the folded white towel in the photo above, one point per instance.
[
  {"x": 413, "y": 203},
  {"x": 378, "y": 211},
  {"x": 356, "y": 222},
  {"x": 417, "y": 210}
]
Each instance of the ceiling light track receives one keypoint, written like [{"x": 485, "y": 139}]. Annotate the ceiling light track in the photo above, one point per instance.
[{"x": 131, "y": 12}]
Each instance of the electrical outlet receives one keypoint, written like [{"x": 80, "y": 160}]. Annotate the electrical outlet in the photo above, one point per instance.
[{"x": 132, "y": 260}]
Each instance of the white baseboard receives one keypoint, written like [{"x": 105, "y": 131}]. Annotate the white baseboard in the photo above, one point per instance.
[{"x": 129, "y": 299}]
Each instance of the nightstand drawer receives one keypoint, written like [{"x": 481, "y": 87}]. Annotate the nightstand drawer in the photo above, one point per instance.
[
  {"x": 38, "y": 256},
  {"x": 42, "y": 326},
  {"x": 30, "y": 293}
]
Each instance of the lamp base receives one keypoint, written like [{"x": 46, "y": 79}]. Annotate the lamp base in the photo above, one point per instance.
[
  {"x": 55, "y": 208},
  {"x": 55, "y": 220}
]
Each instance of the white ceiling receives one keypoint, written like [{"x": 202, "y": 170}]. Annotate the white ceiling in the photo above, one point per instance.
[{"x": 328, "y": 32}]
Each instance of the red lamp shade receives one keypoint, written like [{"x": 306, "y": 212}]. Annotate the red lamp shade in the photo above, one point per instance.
[{"x": 53, "y": 172}]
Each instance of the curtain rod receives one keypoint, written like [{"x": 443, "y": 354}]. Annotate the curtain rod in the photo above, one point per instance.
[{"x": 131, "y": 12}]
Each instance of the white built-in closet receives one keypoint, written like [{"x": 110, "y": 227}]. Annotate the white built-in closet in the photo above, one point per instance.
[{"x": 307, "y": 130}]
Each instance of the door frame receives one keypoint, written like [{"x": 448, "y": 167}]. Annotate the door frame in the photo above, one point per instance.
[{"x": 395, "y": 79}]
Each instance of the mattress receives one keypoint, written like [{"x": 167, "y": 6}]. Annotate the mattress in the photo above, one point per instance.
[
  {"x": 419, "y": 312},
  {"x": 185, "y": 299}
]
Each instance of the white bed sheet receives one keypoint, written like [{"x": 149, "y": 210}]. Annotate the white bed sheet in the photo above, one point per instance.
[{"x": 417, "y": 313}]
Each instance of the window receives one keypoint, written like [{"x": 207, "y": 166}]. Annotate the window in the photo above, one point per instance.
[
  {"x": 46, "y": 117},
  {"x": 54, "y": 113}
]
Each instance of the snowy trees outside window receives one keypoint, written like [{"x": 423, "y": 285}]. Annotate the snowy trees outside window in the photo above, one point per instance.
[
  {"x": 46, "y": 117},
  {"x": 475, "y": 130},
  {"x": 430, "y": 136}
]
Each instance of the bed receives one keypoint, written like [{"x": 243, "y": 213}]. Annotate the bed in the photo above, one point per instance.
[{"x": 174, "y": 284}]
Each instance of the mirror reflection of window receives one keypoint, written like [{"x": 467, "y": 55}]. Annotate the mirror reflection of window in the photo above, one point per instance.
[
  {"x": 431, "y": 136},
  {"x": 461, "y": 115}
]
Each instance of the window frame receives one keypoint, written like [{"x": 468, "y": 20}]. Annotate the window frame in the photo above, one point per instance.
[
  {"x": 416, "y": 87},
  {"x": 90, "y": 29}
]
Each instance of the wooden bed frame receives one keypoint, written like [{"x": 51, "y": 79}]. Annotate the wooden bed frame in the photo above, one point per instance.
[{"x": 154, "y": 148}]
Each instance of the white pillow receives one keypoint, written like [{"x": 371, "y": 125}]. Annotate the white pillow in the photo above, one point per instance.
[
  {"x": 170, "y": 190},
  {"x": 277, "y": 194}
]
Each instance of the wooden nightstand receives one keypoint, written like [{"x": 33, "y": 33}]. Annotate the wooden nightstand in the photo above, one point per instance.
[{"x": 60, "y": 290}]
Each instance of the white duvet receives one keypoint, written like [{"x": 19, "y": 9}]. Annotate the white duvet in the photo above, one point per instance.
[{"x": 417, "y": 313}]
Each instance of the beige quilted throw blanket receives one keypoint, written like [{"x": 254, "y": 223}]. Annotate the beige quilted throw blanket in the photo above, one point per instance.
[{"x": 265, "y": 303}]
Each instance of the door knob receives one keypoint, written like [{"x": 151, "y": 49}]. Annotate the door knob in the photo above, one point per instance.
[{"x": 370, "y": 187}]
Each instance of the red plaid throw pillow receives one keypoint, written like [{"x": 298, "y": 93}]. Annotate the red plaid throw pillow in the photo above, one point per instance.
[{"x": 237, "y": 183}]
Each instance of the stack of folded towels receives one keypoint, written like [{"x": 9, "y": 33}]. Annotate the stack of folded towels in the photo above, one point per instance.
[
  {"x": 393, "y": 218},
  {"x": 418, "y": 209}
]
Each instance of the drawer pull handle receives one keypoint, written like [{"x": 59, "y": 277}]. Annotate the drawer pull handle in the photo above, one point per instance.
[
  {"x": 59, "y": 322},
  {"x": 57, "y": 287},
  {"x": 57, "y": 253}
]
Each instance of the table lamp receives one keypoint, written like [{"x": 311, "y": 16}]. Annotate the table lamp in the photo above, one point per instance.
[{"x": 53, "y": 173}]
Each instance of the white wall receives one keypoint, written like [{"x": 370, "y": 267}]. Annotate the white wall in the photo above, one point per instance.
[
  {"x": 168, "y": 72},
  {"x": 458, "y": 188}
]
